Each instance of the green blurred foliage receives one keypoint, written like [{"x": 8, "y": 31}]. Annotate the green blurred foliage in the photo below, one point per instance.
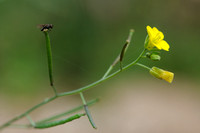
[{"x": 88, "y": 35}]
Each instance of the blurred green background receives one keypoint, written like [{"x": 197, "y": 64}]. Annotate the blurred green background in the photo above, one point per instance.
[{"x": 86, "y": 38}]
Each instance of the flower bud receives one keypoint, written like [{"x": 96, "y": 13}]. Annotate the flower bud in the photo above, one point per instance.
[
  {"x": 155, "y": 57},
  {"x": 162, "y": 74}
]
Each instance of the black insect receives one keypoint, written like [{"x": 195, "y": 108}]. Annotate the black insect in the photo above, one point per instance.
[{"x": 45, "y": 27}]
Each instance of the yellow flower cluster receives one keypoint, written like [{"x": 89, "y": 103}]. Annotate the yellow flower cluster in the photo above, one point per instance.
[{"x": 155, "y": 39}]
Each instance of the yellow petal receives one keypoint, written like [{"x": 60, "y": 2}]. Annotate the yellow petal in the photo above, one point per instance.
[
  {"x": 155, "y": 32},
  {"x": 149, "y": 30},
  {"x": 155, "y": 39},
  {"x": 157, "y": 45},
  {"x": 168, "y": 76},
  {"x": 162, "y": 74},
  {"x": 163, "y": 45}
]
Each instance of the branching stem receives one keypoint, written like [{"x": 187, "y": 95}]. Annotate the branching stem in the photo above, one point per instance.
[{"x": 77, "y": 91}]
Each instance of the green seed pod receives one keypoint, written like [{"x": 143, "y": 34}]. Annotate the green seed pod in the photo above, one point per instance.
[{"x": 59, "y": 122}]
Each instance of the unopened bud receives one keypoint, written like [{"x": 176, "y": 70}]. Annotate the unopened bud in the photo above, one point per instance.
[
  {"x": 155, "y": 57},
  {"x": 162, "y": 74}
]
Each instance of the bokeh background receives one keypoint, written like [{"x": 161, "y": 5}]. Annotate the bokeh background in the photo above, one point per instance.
[{"x": 86, "y": 38}]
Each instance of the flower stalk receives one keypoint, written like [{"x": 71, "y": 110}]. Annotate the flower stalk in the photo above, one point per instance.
[{"x": 153, "y": 41}]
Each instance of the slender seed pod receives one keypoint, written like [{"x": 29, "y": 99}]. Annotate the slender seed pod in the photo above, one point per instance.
[
  {"x": 89, "y": 116},
  {"x": 123, "y": 51},
  {"x": 59, "y": 122},
  {"x": 49, "y": 57},
  {"x": 125, "y": 47}
]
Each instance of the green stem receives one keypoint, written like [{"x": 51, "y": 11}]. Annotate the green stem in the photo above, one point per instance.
[
  {"x": 87, "y": 110},
  {"x": 20, "y": 126},
  {"x": 57, "y": 116},
  {"x": 54, "y": 89},
  {"x": 27, "y": 112},
  {"x": 102, "y": 79},
  {"x": 144, "y": 66},
  {"x": 119, "y": 56},
  {"x": 67, "y": 112},
  {"x": 49, "y": 58},
  {"x": 108, "y": 71},
  {"x": 83, "y": 99},
  {"x": 71, "y": 92},
  {"x": 30, "y": 120}
]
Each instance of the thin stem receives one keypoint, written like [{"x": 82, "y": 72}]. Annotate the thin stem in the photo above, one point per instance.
[
  {"x": 83, "y": 99},
  {"x": 54, "y": 89},
  {"x": 67, "y": 112},
  {"x": 102, "y": 79},
  {"x": 49, "y": 58},
  {"x": 30, "y": 120},
  {"x": 56, "y": 116},
  {"x": 70, "y": 92},
  {"x": 20, "y": 126},
  {"x": 144, "y": 66},
  {"x": 87, "y": 110},
  {"x": 27, "y": 112},
  {"x": 108, "y": 71},
  {"x": 119, "y": 56}
]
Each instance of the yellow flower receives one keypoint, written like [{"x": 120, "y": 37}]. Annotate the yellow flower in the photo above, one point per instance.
[
  {"x": 155, "y": 39},
  {"x": 162, "y": 74}
]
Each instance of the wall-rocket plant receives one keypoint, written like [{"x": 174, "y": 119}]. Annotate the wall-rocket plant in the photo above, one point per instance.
[{"x": 153, "y": 44}]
